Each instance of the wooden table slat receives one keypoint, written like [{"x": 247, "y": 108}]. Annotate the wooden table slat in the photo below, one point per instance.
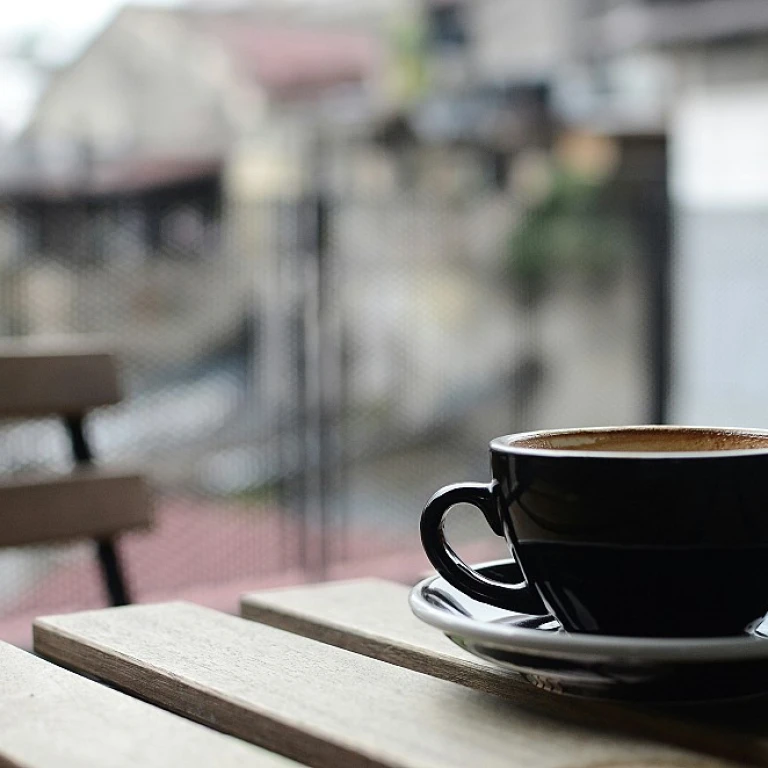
[
  {"x": 372, "y": 617},
  {"x": 323, "y": 705},
  {"x": 52, "y": 718}
]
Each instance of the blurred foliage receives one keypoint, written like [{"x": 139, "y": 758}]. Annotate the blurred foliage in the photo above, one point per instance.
[
  {"x": 575, "y": 227},
  {"x": 407, "y": 74}
]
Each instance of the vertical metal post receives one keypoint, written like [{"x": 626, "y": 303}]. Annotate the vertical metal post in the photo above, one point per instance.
[
  {"x": 318, "y": 356},
  {"x": 326, "y": 360},
  {"x": 109, "y": 561},
  {"x": 643, "y": 185},
  {"x": 661, "y": 300},
  {"x": 655, "y": 227}
]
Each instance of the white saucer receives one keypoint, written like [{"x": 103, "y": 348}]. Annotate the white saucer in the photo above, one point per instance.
[{"x": 638, "y": 668}]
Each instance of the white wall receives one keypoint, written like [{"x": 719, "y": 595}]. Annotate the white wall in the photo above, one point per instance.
[
  {"x": 520, "y": 38},
  {"x": 719, "y": 181}
]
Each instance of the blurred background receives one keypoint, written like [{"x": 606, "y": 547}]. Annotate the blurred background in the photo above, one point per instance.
[{"x": 339, "y": 245}]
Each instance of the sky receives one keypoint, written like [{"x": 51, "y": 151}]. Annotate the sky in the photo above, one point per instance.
[
  {"x": 63, "y": 27},
  {"x": 64, "y": 24}
]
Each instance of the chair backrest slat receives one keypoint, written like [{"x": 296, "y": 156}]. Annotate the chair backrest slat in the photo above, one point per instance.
[
  {"x": 35, "y": 381},
  {"x": 87, "y": 503}
]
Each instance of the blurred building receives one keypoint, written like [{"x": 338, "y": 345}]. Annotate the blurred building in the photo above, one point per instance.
[
  {"x": 703, "y": 65},
  {"x": 203, "y": 108},
  {"x": 287, "y": 175},
  {"x": 255, "y": 85},
  {"x": 197, "y": 143},
  {"x": 138, "y": 150},
  {"x": 168, "y": 83},
  {"x": 168, "y": 118}
]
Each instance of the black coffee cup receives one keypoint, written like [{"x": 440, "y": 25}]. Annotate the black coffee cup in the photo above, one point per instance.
[{"x": 642, "y": 531}]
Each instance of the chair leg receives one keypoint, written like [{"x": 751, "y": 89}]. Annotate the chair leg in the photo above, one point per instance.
[
  {"x": 112, "y": 572},
  {"x": 111, "y": 569}
]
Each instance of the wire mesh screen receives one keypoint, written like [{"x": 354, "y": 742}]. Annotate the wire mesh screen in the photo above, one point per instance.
[{"x": 303, "y": 373}]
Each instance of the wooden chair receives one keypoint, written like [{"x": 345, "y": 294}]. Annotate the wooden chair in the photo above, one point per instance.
[{"x": 68, "y": 380}]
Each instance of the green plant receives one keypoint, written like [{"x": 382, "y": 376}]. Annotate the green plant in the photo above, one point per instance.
[{"x": 576, "y": 226}]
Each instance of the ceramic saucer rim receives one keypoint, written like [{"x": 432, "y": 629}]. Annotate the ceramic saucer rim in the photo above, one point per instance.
[{"x": 584, "y": 646}]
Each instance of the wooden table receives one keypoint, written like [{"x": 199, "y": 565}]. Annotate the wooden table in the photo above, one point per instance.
[{"x": 337, "y": 675}]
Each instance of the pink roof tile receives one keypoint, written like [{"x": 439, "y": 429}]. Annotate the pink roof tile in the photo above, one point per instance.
[{"x": 287, "y": 59}]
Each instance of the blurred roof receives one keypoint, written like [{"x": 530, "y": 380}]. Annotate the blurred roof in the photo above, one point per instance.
[
  {"x": 120, "y": 177},
  {"x": 345, "y": 11},
  {"x": 289, "y": 60},
  {"x": 679, "y": 23}
]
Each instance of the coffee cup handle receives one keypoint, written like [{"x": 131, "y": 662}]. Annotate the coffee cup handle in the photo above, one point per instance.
[{"x": 519, "y": 597}]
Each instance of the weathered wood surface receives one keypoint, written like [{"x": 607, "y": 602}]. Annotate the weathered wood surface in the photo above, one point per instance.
[
  {"x": 328, "y": 707},
  {"x": 372, "y": 617},
  {"x": 55, "y": 377},
  {"x": 52, "y": 718},
  {"x": 86, "y": 503}
]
